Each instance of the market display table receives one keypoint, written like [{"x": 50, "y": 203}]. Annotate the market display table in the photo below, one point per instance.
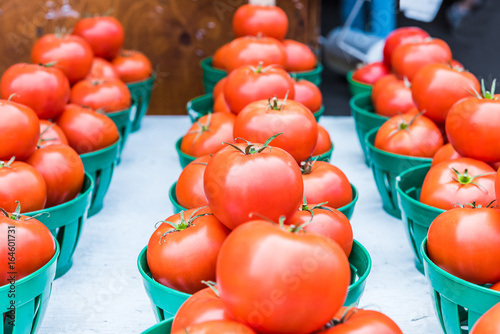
[{"x": 103, "y": 291}]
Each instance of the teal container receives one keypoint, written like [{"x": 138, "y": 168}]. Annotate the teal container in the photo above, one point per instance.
[
  {"x": 123, "y": 123},
  {"x": 32, "y": 294},
  {"x": 65, "y": 222},
  {"x": 458, "y": 303},
  {"x": 416, "y": 216},
  {"x": 356, "y": 87},
  {"x": 141, "y": 94},
  {"x": 386, "y": 167},
  {"x": 163, "y": 327}
]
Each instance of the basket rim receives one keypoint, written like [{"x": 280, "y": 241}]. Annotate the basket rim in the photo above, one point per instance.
[
  {"x": 159, "y": 325},
  {"x": 357, "y": 83},
  {"x": 359, "y": 110},
  {"x": 140, "y": 82},
  {"x": 104, "y": 150},
  {"x": 122, "y": 111},
  {"x": 368, "y": 269}
]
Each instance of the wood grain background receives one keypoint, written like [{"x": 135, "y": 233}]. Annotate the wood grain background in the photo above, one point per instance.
[{"x": 174, "y": 34}]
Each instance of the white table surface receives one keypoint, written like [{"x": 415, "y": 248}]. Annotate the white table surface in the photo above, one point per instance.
[{"x": 103, "y": 291}]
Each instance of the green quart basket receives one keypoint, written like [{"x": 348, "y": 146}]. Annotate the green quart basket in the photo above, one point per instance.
[
  {"x": 163, "y": 327},
  {"x": 141, "y": 94},
  {"x": 416, "y": 216},
  {"x": 100, "y": 165},
  {"x": 65, "y": 222},
  {"x": 356, "y": 87},
  {"x": 386, "y": 167},
  {"x": 123, "y": 123},
  {"x": 166, "y": 301},
  {"x": 365, "y": 118},
  {"x": 32, "y": 294},
  {"x": 458, "y": 303}
]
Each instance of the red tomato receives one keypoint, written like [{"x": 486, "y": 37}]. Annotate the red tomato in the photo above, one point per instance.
[
  {"x": 370, "y": 73},
  {"x": 44, "y": 89},
  {"x": 381, "y": 85},
  {"x": 217, "y": 326},
  {"x": 262, "y": 119},
  {"x": 62, "y": 170},
  {"x": 359, "y": 321},
  {"x": 445, "y": 153},
  {"x": 253, "y": 20},
  {"x": 464, "y": 242},
  {"x": 21, "y": 182},
  {"x": 182, "y": 254},
  {"x": 26, "y": 242},
  {"x": 488, "y": 323},
  {"x": 189, "y": 190},
  {"x": 103, "y": 70},
  {"x": 410, "y": 134},
  {"x": 399, "y": 37},
  {"x": 408, "y": 58},
  {"x": 107, "y": 95},
  {"x": 497, "y": 186},
  {"x": 219, "y": 58},
  {"x": 132, "y": 66},
  {"x": 220, "y": 104},
  {"x": 324, "y": 182},
  {"x": 208, "y": 134},
  {"x": 284, "y": 269},
  {"x": 51, "y": 133},
  {"x": 247, "y": 84},
  {"x": 308, "y": 94},
  {"x": 299, "y": 57},
  {"x": 495, "y": 286},
  {"x": 71, "y": 54},
  {"x": 202, "y": 306},
  {"x": 255, "y": 180},
  {"x": 86, "y": 130},
  {"x": 324, "y": 143},
  {"x": 457, "y": 65},
  {"x": 437, "y": 87},
  {"x": 395, "y": 99},
  {"x": 461, "y": 181},
  {"x": 219, "y": 88},
  {"x": 250, "y": 50},
  {"x": 104, "y": 34},
  {"x": 19, "y": 131}
]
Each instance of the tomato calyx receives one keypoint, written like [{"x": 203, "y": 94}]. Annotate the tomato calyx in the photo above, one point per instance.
[
  {"x": 485, "y": 94},
  {"x": 465, "y": 178},
  {"x": 202, "y": 128},
  {"x": 252, "y": 148},
  {"x": 184, "y": 224},
  {"x": 213, "y": 286},
  {"x": 274, "y": 104},
  {"x": 474, "y": 205},
  {"x": 348, "y": 313},
  {"x": 96, "y": 82},
  {"x": 49, "y": 65},
  {"x": 42, "y": 140},
  {"x": 259, "y": 69},
  {"x": 16, "y": 215},
  {"x": 403, "y": 125},
  {"x": 307, "y": 166},
  {"x": 7, "y": 164}
]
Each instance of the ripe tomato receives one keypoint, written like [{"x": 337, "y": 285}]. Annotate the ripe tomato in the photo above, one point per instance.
[
  {"x": 308, "y": 94},
  {"x": 51, "y": 133},
  {"x": 495, "y": 286},
  {"x": 219, "y": 58},
  {"x": 107, "y": 95},
  {"x": 258, "y": 180},
  {"x": 253, "y": 20},
  {"x": 399, "y": 37},
  {"x": 324, "y": 182},
  {"x": 182, "y": 252},
  {"x": 437, "y": 87},
  {"x": 71, "y": 53},
  {"x": 488, "y": 323},
  {"x": 284, "y": 269},
  {"x": 395, "y": 99},
  {"x": 408, "y": 58},
  {"x": 497, "y": 186},
  {"x": 132, "y": 66},
  {"x": 251, "y": 51},
  {"x": 189, "y": 189},
  {"x": 247, "y": 84},
  {"x": 102, "y": 69},
  {"x": 409, "y": 134},
  {"x": 33, "y": 246},
  {"x": 299, "y": 57},
  {"x": 87, "y": 130},
  {"x": 62, "y": 170},
  {"x": 324, "y": 143},
  {"x": 217, "y": 326},
  {"x": 380, "y": 86},
  {"x": 19, "y": 130},
  {"x": 461, "y": 181},
  {"x": 104, "y": 34},
  {"x": 220, "y": 104},
  {"x": 44, "y": 89},
  {"x": 445, "y": 153},
  {"x": 370, "y": 73},
  {"x": 219, "y": 88},
  {"x": 262, "y": 119},
  {"x": 464, "y": 242},
  {"x": 359, "y": 321},
  {"x": 208, "y": 134},
  {"x": 21, "y": 182},
  {"x": 202, "y": 306}
]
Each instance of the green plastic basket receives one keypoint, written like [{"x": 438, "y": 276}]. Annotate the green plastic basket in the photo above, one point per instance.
[
  {"x": 141, "y": 94},
  {"x": 356, "y": 87},
  {"x": 166, "y": 301},
  {"x": 365, "y": 118},
  {"x": 100, "y": 166},
  {"x": 123, "y": 123},
  {"x": 32, "y": 294},
  {"x": 386, "y": 167},
  {"x": 163, "y": 327},
  {"x": 416, "y": 216},
  {"x": 458, "y": 303},
  {"x": 65, "y": 222}
]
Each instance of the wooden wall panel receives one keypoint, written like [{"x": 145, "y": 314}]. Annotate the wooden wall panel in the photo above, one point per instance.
[{"x": 174, "y": 34}]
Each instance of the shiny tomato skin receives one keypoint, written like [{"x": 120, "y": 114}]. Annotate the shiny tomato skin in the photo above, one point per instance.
[
  {"x": 21, "y": 182},
  {"x": 305, "y": 269},
  {"x": 464, "y": 242},
  {"x": 51, "y": 133},
  {"x": 220, "y": 104},
  {"x": 445, "y": 153},
  {"x": 495, "y": 286},
  {"x": 217, "y": 326},
  {"x": 104, "y": 34},
  {"x": 488, "y": 323},
  {"x": 399, "y": 37},
  {"x": 497, "y": 186},
  {"x": 219, "y": 58},
  {"x": 259, "y": 121},
  {"x": 132, "y": 66},
  {"x": 251, "y": 51},
  {"x": 182, "y": 259},
  {"x": 189, "y": 189},
  {"x": 394, "y": 100},
  {"x": 62, "y": 170},
  {"x": 370, "y": 73},
  {"x": 44, "y": 89},
  {"x": 359, "y": 321},
  {"x": 245, "y": 85},
  {"x": 380, "y": 86},
  {"x": 324, "y": 143},
  {"x": 252, "y": 20},
  {"x": 299, "y": 57},
  {"x": 308, "y": 94},
  {"x": 106, "y": 95},
  {"x": 219, "y": 88},
  {"x": 19, "y": 131},
  {"x": 72, "y": 54},
  {"x": 102, "y": 70},
  {"x": 442, "y": 190},
  {"x": 437, "y": 87}
]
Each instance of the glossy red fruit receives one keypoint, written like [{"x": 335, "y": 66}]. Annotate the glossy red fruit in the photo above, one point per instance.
[
  {"x": 299, "y": 57},
  {"x": 189, "y": 189},
  {"x": 132, "y": 66},
  {"x": 445, "y": 153},
  {"x": 51, "y": 133},
  {"x": 217, "y": 326},
  {"x": 395, "y": 99},
  {"x": 359, "y": 321},
  {"x": 488, "y": 323},
  {"x": 102, "y": 70},
  {"x": 324, "y": 143},
  {"x": 253, "y": 20},
  {"x": 104, "y": 34},
  {"x": 308, "y": 94},
  {"x": 106, "y": 95},
  {"x": 219, "y": 58},
  {"x": 250, "y": 50},
  {"x": 399, "y": 37},
  {"x": 370, "y": 73}
]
